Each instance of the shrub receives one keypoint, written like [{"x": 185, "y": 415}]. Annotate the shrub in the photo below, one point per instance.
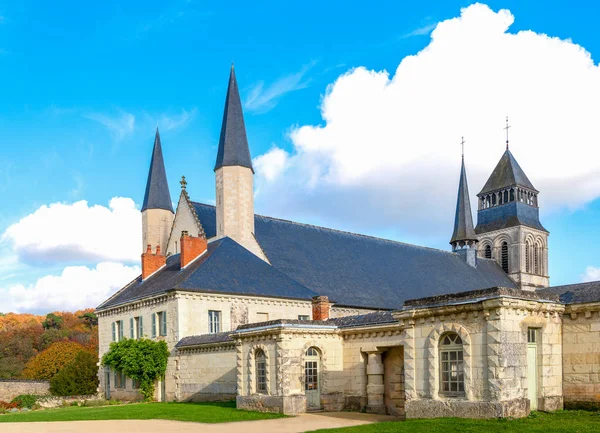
[
  {"x": 25, "y": 400},
  {"x": 143, "y": 360},
  {"x": 46, "y": 364},
  {"x": 7, "y": 406},
  {"x": 78, "y": 378}
]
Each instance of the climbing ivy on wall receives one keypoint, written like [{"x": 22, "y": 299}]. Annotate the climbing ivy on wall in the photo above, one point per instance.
[{"x": 143, "y": 360}]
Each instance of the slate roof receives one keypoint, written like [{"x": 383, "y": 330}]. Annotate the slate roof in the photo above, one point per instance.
[
  {"x": 575, "y": 293},
  {"x": 507, "y": 173},
  {"x": 233, "y": 143},
  {"x": 157, "y": 194},
  {"x": 227, "y": 267},
  {"x": 362, "y": 271},
  {"x": 511, "y": 214},
  {"x": 197, "y": 340},
  {"x": 463, "y": 220}
]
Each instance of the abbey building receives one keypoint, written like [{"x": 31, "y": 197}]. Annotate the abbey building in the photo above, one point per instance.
[{"x": 289, "y": 317}]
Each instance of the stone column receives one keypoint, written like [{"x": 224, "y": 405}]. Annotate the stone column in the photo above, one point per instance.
[{"x": 375, "y": 387}]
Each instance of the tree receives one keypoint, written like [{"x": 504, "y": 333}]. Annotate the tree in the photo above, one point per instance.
[
  {"x": 46, "y": 364},
  {"x": 143, "y": 360},
  {"x": 78, "y": 378},
  {"x": 52, "y": 321},
  {"x": 90, "y": 319}
]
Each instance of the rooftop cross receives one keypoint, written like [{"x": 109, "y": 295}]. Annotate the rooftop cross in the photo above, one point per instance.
[
  {"x": 183, "y": 182},
  {"x": 506, "y": 128},
  {"x": 462, "y": 143}
]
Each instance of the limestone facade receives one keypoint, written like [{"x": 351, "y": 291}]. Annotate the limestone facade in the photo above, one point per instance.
[
  {"x": 156, "y": 226},
  {"x": 581, "y": 356},
  {"x": 235, "y": 207},
  {"x": 527, "y": 254}
]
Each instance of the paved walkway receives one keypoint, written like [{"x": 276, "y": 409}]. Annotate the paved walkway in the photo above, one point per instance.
[{"x": 299, "y": 424}]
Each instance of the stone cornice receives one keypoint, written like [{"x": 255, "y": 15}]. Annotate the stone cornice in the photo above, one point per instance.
[
  {"x": 576, "y": 310},
  {"x": 214, "y": 347},
  {"x": 135, "y": 305},
  {"x": 258, "y": 300}
]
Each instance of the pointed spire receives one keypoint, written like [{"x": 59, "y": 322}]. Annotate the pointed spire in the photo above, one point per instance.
[
  {"x": 233, "y": 144},
  {"x": 157, "y": 189},
  {"x": 464, "y": 233}
]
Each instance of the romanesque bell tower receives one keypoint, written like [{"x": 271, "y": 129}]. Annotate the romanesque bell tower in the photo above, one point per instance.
[
  {"x": 235, "y": 176},
  {"x": 508, "y": 225},
  {"x": 157, "y": 210}
]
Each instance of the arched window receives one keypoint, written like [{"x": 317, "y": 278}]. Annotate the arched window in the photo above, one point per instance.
[
  {"x": 451, "y": 365},
  {"x": 527, "y": 257},
  {"x": 505, "y": 197},
  {"x": 505, "y": 257},
  {"x": 512, "y": 194},
  {"x": 260, "y": 361},
  {"x": 488, "y": 252},
  {"x": 536, "y": 259},
  {"x": 312, "y": 388}
]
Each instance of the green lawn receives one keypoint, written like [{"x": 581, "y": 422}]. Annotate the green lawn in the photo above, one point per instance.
[
  {"x": 196, "y": 412},
  {"x": 558, "y": 422}
]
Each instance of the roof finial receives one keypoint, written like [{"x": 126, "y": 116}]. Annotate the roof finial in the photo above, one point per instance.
[
  {"x": 183, "y": 182},
  {"x": 506, "y": 128},
  {"x": 462, "y": 143}
]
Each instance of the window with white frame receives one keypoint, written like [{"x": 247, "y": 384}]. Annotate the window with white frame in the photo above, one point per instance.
[
  {"x": 452, "y": 377},
  {"x": 303, "y": 317},
  {"x": 117, "y": 330},
  {"x": 261, "y": 371},
  {"x": 159, "y": 324},
  {"x": 136, "y": 327},
  {"x": 214, "y": 321}
]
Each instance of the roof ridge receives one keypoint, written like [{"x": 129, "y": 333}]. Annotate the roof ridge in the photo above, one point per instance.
[{"x": 340, "y": 231}]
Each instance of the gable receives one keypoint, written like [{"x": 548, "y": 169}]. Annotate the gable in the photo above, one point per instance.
[{"x": 185, "y": 219}]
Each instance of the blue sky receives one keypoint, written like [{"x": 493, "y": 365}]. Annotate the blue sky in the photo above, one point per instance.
[{"x": 83, "y": 87}]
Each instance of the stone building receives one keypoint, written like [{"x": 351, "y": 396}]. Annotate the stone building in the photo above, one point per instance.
[{"x": 290, "y": 317}]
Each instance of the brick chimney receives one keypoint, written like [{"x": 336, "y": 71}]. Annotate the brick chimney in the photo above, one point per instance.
[
  {"x": 152, "y": 262},
  {"x": 320, "y": 308},
  {"x": 191, "y": 247}
]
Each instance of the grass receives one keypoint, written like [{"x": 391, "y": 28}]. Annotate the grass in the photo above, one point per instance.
[
  {"x": 195, "y": 412},
  {"x": 537, "y": 422}
]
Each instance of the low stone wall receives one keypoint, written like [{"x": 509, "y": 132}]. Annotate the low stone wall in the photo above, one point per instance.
[
  {"x": 288, "y": 405},
  {"x": 10, "y": 389},
  {"x": 429, "y": 408}
]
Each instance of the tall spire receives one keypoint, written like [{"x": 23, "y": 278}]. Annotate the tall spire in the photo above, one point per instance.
[
  {"x": 464, "y": 233},
  {"x": 233, "y": 144},
  {"x": 157, "y": 189}
]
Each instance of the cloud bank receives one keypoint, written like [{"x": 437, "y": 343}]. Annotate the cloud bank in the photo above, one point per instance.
[{"x": 387, "y": 155}]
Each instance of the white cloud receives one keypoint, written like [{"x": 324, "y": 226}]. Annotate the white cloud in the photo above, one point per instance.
[
  {"x": 388, "y": 152},
  {"x": 118, "y": 126},
  {"x": 75, "y": 288},
  {"x": 271, "y": 164},
  {"x": 591, "y": 274},
  {"x": 263, "y": 98},
  {"x": 420, "y": 31},
  {"x": 77, "y": 232},
  {"x": 167, "y": 122}
]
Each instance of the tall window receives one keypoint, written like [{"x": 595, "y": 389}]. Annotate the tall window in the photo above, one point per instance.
[
  {"x": 136, "y": 327},
  {"x": 261, "y": 371},
  {"x": 120, "y": 379},
  {"x": 311, "y": 369},
  {"x": 536, "y": 259},
  {"x": 214, "y": 321},
  {"x": 488, "y": 252},
  {"x": 117, "y": 330},
  {"x": 452, "y": 365},
  {"x": 527, "y": 257},
  {"x": 505, "y": 257},
  {"x": 159, "y": 324}
]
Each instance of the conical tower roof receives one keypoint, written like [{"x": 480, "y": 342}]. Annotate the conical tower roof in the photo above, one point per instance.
[
  {"x": 507, "y": 173},
  {"x": 233, "y": 144},
  {"x": 157, "y": 194},
  {"x": 463, "y": 220}
]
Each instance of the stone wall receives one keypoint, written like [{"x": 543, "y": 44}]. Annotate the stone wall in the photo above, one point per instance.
[
  {"x": 9, "y": 389},
  {"x": 156, "y": 227},
  {"x": 206, "y": 373},
  {"x": 581, "y": 356}
]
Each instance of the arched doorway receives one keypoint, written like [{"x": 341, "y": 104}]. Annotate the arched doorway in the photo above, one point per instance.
[{"x": 312, "y": 382}]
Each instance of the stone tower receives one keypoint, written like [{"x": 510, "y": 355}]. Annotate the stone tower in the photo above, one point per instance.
[
  {"x": 234, "y": 176},
  {"x": 464, "y": 241},
  {"x": 508, "y": 225},
  {"x": 157, "y": 210}
]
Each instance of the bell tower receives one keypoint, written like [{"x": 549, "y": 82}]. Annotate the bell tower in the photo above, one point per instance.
[{"x": 508, "y": 225}]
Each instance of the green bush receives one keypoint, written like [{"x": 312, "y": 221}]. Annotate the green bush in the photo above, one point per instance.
[
  {"x": 143, "y": 360},
  {"x": 25, "y": 400},
  {"x": 80, "y": 377}
]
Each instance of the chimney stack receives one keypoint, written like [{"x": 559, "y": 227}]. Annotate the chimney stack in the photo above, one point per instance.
[
  {"x": 191, "y": 247},
  {"x": 152, "y": 262},
  {"x": 320, "y": 308}
]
